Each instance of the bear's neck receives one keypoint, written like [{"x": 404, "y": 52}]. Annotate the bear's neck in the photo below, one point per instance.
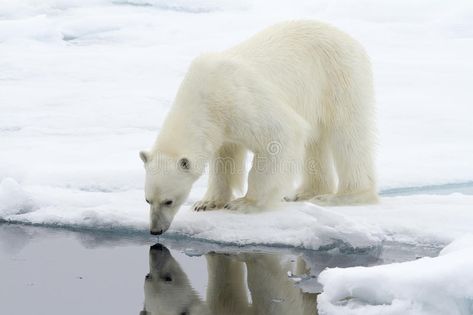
[{"x": 188, "y": 137}]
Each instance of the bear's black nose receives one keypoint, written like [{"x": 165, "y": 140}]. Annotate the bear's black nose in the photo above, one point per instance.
[
  {"x": 156, "y": 232},
  {"x": 157, "y": 246}
]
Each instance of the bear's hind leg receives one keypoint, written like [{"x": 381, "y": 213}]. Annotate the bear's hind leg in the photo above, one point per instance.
[
  {"x": 353, "y": 154},
  {"x": 226, "y": 174},
  {"x": 318, "y": 174}
]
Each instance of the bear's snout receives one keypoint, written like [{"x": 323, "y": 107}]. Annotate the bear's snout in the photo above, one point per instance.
[{"x": 156, "y": 232}]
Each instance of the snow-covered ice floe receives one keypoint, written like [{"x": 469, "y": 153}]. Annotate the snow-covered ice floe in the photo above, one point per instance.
[
  {"x": 301, "y": 225},
  {"x": 424, "y": 220},
  {"x": 427, "y": 286}
]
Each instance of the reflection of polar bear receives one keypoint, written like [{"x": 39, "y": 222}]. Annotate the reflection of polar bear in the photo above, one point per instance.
[
  {"x": 296, "y": 89},
  {"x": 271, "y": 290},
  {"x": 167, "y": 288},
  {"x": 168, "y": 291}
]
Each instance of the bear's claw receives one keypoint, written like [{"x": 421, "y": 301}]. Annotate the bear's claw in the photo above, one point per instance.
[
  {"x": 240, "y": 204},
  {"x": 207, "y": 205}
]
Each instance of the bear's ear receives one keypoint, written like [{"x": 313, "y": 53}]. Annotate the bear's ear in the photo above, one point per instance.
[
  {"x": 184, "y": 164},
  {"x": 144, "y": 156}
]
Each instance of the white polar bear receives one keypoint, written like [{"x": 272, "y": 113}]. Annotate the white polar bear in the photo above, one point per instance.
[{"x": 296, "y": 94}]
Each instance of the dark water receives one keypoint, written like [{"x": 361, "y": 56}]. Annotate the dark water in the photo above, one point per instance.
[{"x": 54, "y": 271}]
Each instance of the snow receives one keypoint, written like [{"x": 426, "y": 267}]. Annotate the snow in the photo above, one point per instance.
[
  {"x": 430, "y": 220},
  {"x": 424, "y": 220},
  {"x": 300, "y": 225},
  {"x": 85, "y": 85},
  {"x": 433, "y": 286},
  {"x": 13, "y": 199}
]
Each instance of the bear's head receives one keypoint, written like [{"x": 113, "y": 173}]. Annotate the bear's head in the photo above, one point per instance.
[{"x": 168, "y": 182}]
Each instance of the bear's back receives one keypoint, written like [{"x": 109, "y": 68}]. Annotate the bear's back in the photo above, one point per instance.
[{"x": 292, "y": 42}]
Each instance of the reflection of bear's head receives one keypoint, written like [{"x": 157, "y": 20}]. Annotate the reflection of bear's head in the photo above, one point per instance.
[
  {"x": 167, "y": 185},
  {"x": 167, "y": 288}
]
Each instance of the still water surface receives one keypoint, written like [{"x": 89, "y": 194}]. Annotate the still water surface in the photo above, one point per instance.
[{"x": 55, "y": 271}]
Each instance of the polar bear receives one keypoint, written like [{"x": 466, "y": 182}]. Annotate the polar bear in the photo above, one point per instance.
[{"x": 298, "y": 95}]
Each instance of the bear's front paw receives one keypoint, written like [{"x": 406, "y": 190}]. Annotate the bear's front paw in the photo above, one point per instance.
[
  {"x": 241, "y": 204},
  {"x": 204, "y": 205}
]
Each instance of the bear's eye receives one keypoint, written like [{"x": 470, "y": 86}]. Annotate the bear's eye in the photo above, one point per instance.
[
  {"x": 167, "y": 202},
  {"x": 167, "y": 278},
  {"x": 148, "y": 201}
]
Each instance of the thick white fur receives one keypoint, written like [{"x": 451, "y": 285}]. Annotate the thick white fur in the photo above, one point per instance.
[{"x": 297, "y": 93}]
